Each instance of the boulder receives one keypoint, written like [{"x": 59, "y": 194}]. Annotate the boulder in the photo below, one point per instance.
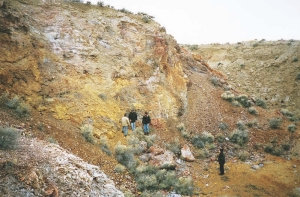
[{"x": 186, "y": 153}]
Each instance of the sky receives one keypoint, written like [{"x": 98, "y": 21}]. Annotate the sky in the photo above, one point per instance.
[{"x": 220, "y": 21}]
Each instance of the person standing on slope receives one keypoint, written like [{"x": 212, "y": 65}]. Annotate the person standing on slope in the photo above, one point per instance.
[
  {"x": 146, "y": 121},
  {"x": 125, "y": 124},
  {"x": 221, "y": 160},
  {"x": 132, "y": 119}
]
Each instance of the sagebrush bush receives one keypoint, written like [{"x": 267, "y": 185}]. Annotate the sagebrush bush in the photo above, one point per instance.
[
  {"x": 103, "y": 96},
  {"x": 261, "y": 103},
  {"x": 197, "y": 141},
  {"x": 252, "y": 110},
  {"x": 220, "y": 138},
  {"x": 292, "y": 128},
  {"x": 87, "y": 133},
  {"x": 13, "y": 103},
  {"x": 214, "y": 80},
  {"x": 146, "y": 19},
  {"x": 138, "y": 132},
  {"x": 104, "y": 145},
  {"x": 125, "y": 156},
  {"x": 236, "y": 104},
  {"x": 241, "y": 125},
  {"x": 228, "y": 96},
  {"x": 286, "y": 113},
  {"x": 185, "y": 186},
  {"x": 275, "y": 122},
  {"x": 200, "y": 154},
  {"x": 223, "y": 126},
  {"x": 243, "y": 100},
  {"x": 239, "y": 136},
  {"x": 174, "y": 146},
  {"x": 243, "y": 155},
  {"x": 252, "y": 123},
  {"x": 135, "y": 144},
  {"x": 269, "y": 148},
  {"x": 207, "y": 137},
  {"x": 120, "y": 168},
  {"x": 22, "y": 110},
  {"x": 8, "y": 138},
  {"x": 286, "y": 147}
]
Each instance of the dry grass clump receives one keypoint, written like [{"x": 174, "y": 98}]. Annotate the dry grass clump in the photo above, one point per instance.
[{"x": 275, "y": 122}]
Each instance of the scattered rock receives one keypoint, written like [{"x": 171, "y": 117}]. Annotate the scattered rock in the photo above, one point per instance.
[{"x": 186, "y": 153}]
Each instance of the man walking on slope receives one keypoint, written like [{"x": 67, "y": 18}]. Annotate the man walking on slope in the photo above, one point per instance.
[
  {"x": 125, "y": 124},
  {"x": 146, "y": 121},
  {"x": 221, "y": 160},
  {"x": 132, "y": 119}
]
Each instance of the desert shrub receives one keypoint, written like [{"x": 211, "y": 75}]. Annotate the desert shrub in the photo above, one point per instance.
[
  {"x": 255, "y": 45},
  {"x": 22, "y": 110},
  {"x": 13, "y": 103},
  {"x": 183, "y": 131},
  {"x": 228, "y": 96},
  {"x": 145, "y": 19},
  {"x": 241, "y": 125},
  {"x": 125, "y": 11},
  {"x": 185, "y": 186},
  {"x": 243, "y": 100},
  {"x": 104, "y": 145},
  {"x": 292, "y": 128},
  {"x": 181, "y": 127},
  {"x": 174, "y": 146},
  {"x": 275, "y": 122},
  {"x": 193, "y": 47},
  {"x": 261, "y": 103},
  {"x": 252, "y": 123},
  {"x": 243, "y": 155},
  {"x": 298, "y": 76},
  {"x": 295, "y": 192},
  {"x": 87, "y": 133},
  {"x": 51, "y": 140},
  {"x": 295, "y": 59},
  {"x": 220, "y": 138},
  {"x": 214, "y": 80},
  {"x": 286, "y": 147},
  {"x": 223, "y": 126},
  {"x": 100, "y": 3},
  {"x": 147, "y": 193},
  {"x": 168, "y": 180},
  {"x": 252, "y": 110},
  {"x": 138, "y": 133},
  {"x": 4, "y": 97},
  {"x": 8, "y": 138},
  {"x": 269, "y": 148},
  {"x": 211, "y": 147},
  {"x": 197, "y": 141},
  {"x": 286, "y": 113},
  {"x": 201, "y": 154},
  {"x": 277, "y": 151},
  {"x": 135, "y": 144},
  {"x": 236, "y": 104},
  {"x": 239, "y": 136},
  {"x": 125, "y": 156},
  {"x": 207, "y": 137},
  {"x": 147, "y": 182},
  {"x": 120, "y": 168}
]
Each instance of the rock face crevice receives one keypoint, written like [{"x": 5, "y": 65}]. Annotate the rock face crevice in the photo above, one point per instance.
[{"x": 266, "y": 69}]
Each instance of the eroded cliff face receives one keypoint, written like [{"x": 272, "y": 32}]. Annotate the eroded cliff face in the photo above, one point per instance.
[
  {"x": 78, "y": 61},
  {"x": 269, "y": 70}
]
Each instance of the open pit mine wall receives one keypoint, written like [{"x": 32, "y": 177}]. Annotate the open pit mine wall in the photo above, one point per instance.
[{"x": 77, "y": 61}]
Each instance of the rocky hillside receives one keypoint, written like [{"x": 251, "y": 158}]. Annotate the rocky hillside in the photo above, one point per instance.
[
  {"x": 269, "y": 70},
  {"x": 69, "y": 72}
]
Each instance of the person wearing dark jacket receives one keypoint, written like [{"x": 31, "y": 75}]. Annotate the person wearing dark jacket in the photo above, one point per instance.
[
  {"x": 146, "y": 121},
  {"x": 221, "y": 160},
  {"x": 132, "y": 118}
]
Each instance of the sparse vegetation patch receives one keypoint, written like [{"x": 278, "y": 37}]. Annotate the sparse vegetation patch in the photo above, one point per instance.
[{"x": 8, "y": 138}]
